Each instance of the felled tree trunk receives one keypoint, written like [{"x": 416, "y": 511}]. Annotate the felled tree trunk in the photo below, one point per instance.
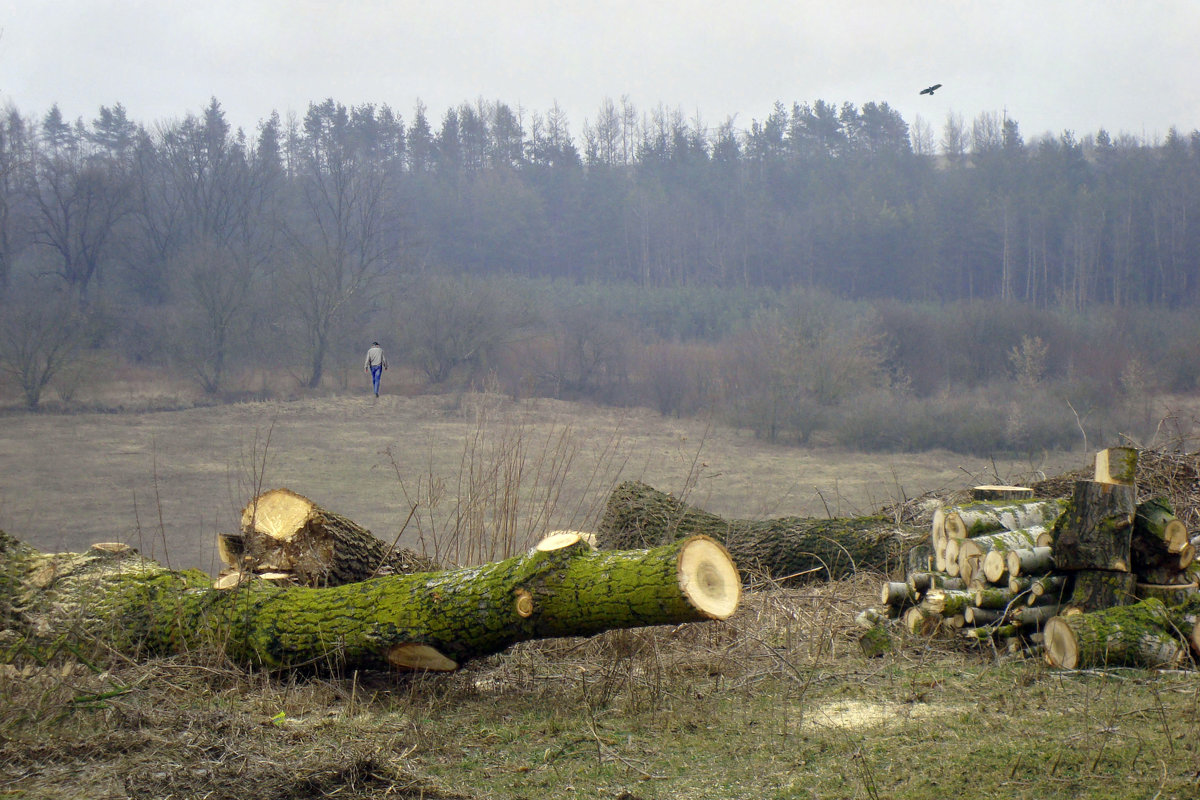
[
  {"x": 784, "y": 549},
  {"x": 434, "y": 621},
  {"x": 1140, "y": 635},
  {"x": 284, "y": 534}
]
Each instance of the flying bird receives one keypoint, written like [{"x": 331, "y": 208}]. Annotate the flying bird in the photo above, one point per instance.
[{"x": 930, "y": 90}]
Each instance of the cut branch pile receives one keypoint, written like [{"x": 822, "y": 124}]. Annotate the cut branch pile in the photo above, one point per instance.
[{"x": 1099, "y": 579}]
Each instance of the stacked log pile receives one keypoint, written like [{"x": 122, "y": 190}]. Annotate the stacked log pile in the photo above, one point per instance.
[{"x": 1097, "y": 579}]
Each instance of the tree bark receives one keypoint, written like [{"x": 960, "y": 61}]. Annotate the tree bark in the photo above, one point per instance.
[
  {"x": 1096, "y": 530},
  {"x": 1132, "y": 636},
  {"x": 1096, "y": 589},
  {"x": 789, "y": 549},
  {"x": 286, "y": 533},
  {"x": 972, "y": 552},
  {"x": 433, "y": 621},
  {"x": 1035, "y": 561},
  {"x": 976, "y": 519}
]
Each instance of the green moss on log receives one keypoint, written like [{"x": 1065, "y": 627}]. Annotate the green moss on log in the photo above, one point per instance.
[{"x": 140, "y": 608}]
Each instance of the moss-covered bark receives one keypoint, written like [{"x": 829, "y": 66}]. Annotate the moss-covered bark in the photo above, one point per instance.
[
  {"x": 138, "y": 607},
  {"x": 788, "y": 548},
  {"x": 282, "y": 531},
  {"x": 1096, "y": 530},
  {"x": 1140, "y": 635}
]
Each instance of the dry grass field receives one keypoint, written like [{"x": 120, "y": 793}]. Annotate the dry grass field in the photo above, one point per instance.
[
  {"x": 168, "y": 481},
  {"x": 776, "y": 702}
]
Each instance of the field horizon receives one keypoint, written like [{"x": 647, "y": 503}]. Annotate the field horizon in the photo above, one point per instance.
[{"x": 168, "y": 481}]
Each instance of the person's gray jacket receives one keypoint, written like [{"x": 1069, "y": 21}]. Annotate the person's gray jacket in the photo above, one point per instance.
[{"x": 375, "y": 358}]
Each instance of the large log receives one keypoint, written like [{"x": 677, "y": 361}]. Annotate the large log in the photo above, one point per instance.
[
  {"x": 1140, "y": 635},
  {"x": 784, "y": 549},
  {"x": 1096, "y": 530},
  {"x": 427, "y": 621},
  {"x": 285, "y": 533}
]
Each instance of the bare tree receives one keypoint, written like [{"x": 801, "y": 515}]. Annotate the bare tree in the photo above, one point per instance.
[
  {"x": 341, "y": 237},
  {"x": 41, "y": 333}
]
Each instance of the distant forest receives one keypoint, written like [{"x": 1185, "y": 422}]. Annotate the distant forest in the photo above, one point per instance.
[{"x": 189, "y": 243}]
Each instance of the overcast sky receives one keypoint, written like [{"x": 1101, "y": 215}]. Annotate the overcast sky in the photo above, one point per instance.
[{"x": 1129, "y": 66}]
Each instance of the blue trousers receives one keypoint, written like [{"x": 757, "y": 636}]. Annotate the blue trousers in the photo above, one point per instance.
[{"x": 376, "y": 373}]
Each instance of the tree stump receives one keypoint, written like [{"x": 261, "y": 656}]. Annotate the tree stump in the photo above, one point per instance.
[{"x": 1096, "y": 530}]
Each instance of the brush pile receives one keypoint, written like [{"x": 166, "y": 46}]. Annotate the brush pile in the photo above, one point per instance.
[{"x": 1097, "y": 578}]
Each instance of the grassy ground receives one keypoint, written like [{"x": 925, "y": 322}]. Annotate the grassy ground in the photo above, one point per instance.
[{"x": 777, "y": 702}]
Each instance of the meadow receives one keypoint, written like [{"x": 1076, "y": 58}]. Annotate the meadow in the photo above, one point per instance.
[{"x": 776, "y": 702}]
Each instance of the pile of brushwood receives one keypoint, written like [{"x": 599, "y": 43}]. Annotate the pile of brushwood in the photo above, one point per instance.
[{"x": 1102, "y": 577}]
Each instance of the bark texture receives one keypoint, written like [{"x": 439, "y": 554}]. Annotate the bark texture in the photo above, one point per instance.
[
  {"x": 435, "y": 620},
  {"x": 1139, "y": 635},
  {"x": 284, "y": 532},
  {"x": 1096, "y": 530},
  {"x": 790, "y": 549}
]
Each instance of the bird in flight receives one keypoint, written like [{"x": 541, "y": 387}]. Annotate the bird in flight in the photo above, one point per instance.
[{"x": 930, "y": 90}]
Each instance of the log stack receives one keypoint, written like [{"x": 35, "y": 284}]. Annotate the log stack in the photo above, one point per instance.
[{"x": 1098, "y": 579}]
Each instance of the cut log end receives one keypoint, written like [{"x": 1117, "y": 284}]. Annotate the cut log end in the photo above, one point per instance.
[
  {"x": 419, "y": 657},
  {"x": 1062, "y": 647},
  {"x": 557, "y": 540},
  {"x": 709, "y": 578},
  {"x": 279, "y": 513}
]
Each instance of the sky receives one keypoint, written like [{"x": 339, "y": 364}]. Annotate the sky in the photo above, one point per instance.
[{"x": 1129, "y": 66}]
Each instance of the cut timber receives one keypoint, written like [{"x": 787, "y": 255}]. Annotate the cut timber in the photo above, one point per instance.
[
  {"x": 1131, "y": 636},
  {"x": 989, "y": 632},
  {"x": 971, "y": 552},
  {"x": 435, "y": 620},
  {"x": 790, "y": 549},
  {"x": 897, "y": 593},
  {"x": 1097, "y": 589},
  {"x": 286, "y": 532},
  {"x": 994, "y": 493},
  {"x": 1049, "y": 588},
  {"x": 1033, "y": 615},
  {"x": 921, "y": 582},
  {"x": 947, "y": 602},
  {"x": 1117, "y": 465},
  {"x": 975, "y": 519},
  {"x": 1034, "y": 561},
  {"x": 1096, "y": 530},
  {"x": 994, "y": 597},
  {"x": 983, "y": 616},
  {"x": 1155, "y": 521}
]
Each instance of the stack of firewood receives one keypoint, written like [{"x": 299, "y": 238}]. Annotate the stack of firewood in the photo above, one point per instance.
[{"x": 1074, "y": 577}]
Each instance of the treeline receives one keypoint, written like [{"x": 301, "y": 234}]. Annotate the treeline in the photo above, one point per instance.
[{"x": 494, "y": 243}]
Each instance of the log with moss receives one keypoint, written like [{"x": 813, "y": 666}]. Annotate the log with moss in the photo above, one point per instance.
[
  {"x": 784, "y": 549},
  {"x": 1095, "y": 531},
  {"x": 976, "y": 519},
  {"x": 434, "y": 620},
  {"x": 286, "y": 535},
  {"x": 1139, "y": 635}
]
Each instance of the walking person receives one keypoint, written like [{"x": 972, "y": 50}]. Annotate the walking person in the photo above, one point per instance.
[{"x": 375, "y": 364}]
